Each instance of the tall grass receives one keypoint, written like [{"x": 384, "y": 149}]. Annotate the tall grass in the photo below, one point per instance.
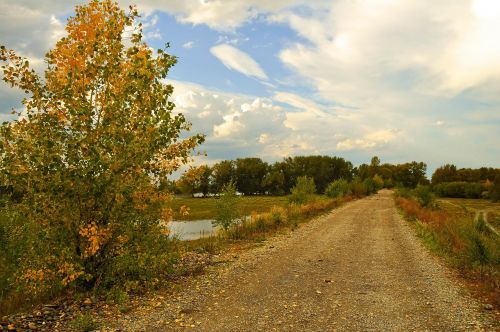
[
  {"x": 260, "y": 224},
  {"x": 466, "y": 243}
]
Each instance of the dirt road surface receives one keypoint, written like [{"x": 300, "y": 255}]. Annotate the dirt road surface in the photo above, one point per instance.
[{"x": 359, "y": 268}]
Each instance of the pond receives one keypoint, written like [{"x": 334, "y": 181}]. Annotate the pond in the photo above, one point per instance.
[{"x": 192, "y": 230}]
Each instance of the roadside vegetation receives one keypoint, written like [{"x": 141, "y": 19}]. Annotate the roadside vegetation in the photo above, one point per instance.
[{"x": 458, "y": 233}]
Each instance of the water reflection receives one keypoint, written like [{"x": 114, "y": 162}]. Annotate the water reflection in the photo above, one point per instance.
[{"x": 192, "y": 230}]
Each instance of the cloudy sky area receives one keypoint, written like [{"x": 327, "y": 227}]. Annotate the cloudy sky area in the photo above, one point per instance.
[{"x": 401, "y": 79}]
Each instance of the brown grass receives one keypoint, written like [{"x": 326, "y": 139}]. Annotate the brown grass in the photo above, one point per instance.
[
  {"x": 278, "y": 217},
  {"x": 473, "y": 252}
]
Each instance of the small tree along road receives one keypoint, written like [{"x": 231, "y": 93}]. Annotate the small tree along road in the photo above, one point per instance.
[
  {"x": 96, "y": 136},
  {"x": 358, "y": 268}
]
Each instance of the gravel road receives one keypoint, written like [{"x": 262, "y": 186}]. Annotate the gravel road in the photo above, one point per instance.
[{"x": 359, "y": 268}]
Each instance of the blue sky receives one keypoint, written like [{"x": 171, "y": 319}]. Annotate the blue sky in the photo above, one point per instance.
[{"x": 404, "y": 80}]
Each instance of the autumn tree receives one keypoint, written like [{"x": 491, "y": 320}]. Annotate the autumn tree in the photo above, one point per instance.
[
  {"x": 87, "y": 152},
  {"x": 195, "y": 180}
]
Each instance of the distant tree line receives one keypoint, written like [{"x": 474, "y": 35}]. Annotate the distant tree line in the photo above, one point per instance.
[
  {"x": 450, "y": 181},
  {"x": 253, "y": 176}
]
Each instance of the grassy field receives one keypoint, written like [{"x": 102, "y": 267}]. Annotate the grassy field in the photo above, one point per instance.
[
  {"x": 464, "y": 206},
  {"x": 205, "y": 208}
]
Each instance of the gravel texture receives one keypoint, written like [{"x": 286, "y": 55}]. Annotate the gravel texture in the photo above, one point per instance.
[{"x": 358, "y": 268}]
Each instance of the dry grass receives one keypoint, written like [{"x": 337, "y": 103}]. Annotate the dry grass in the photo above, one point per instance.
[
  {"x": 471, "y": 249},
  {"x": 468, "y": 207},
  {"x": 261, "y": 224}
]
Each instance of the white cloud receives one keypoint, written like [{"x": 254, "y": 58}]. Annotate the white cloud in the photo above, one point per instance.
[
  {"x": 223, "y": 15},
  {"x": 231, "y": 40},
  {"x": 242, "y": 125},
  {"x": 264, "y": 138},
  {"x": 369, "y": 141},
  {"x": 188, "y": 45},
  {"x": 299, "y": 102},
  {"x": 231, "y": 125},
  {"x": 238, "y": 60},
  {"x": 359, "y": 50}
]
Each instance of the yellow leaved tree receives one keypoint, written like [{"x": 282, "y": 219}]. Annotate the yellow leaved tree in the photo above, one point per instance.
[{"x": 86, "y": 154}]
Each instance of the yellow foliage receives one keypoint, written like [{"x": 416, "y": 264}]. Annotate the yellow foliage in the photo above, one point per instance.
[
  {"x": 184, "y": 211},
  {"x": 166, "y": 214},
  {"x": 69, "y": 273},
  {"x": 96, "y": 236}
]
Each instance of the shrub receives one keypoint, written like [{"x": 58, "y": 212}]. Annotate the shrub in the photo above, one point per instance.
[
  {"x": 277, "y": 215},
  {"x": 424, "y": 195},
  {"x": 403, "y": 192},
  {"x": 459, "y": 189},
  {"x": 227, "y": 209},
  {"x": 303, "y": 191},
  {"x": 494, "y": 191},
  {"x": 337, "y": 188},
  {"x": 378, "y": 181},
  {"x": 467, "y": 244},
  {"x": 473, "y": 190},
  {"x": 477, "y": 249},
  {"x": 84, "y": 323},
  {"x": 357, "y": 188},
  {"x": 260, "y": 222},
  {"x": 369, "y": 186}
]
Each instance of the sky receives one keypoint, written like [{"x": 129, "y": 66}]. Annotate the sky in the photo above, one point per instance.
[{"x": 400, "y": 79}]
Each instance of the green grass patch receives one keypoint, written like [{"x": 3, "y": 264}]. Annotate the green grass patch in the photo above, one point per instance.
[
  {"x": 206, "y": 208},
  {"x": 84, "y": 323},
  {"x": 466, "y": 207}
]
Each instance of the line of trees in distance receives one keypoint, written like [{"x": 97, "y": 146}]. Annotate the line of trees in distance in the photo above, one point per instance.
[
  {"x": 450, "y": 181},
  {"x": 253, "y": 176}
]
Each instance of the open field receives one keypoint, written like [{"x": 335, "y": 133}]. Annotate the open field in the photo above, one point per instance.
[
  {"x": 464, "y": 206},
  {"x": 205, "y": 208}
]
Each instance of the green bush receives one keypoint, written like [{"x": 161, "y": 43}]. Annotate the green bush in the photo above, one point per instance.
[
  {"x": 303, "y": 191},
  {"x": 478, "y": 250},
  {"x": 404, "y": 192},
  {"x": 337, "y": 188},
  {"x": 84, "y": 323},
  {"x": 145, "y": 257},
  {"x": 473, "y": 190},
  {"x": 369, "y": 186},
  {"x": 494, "y": 191},
  {"x": 378, "y": 181},
  {"x": 424, "y": 195},
  {"x": 388, "y": 183},
  {"x": 459, "y": 189},
  {"x": 277, "y": 215},
  {"x": 357, "y": 188},
  {"x": 228, "y": 212}
]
